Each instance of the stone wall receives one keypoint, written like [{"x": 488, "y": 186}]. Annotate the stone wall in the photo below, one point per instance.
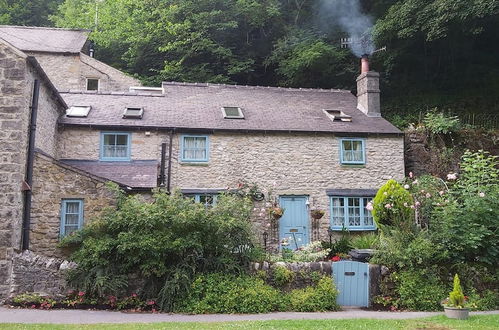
[
  {"x": 15, "y": 87},
  {"x": 84, "y": 144},
  {"x": 35, "y": 273},
  {"x": 70, "y": 72},
  {"x": 53, "y": 182},
  {"x": 290, "y": 164}
]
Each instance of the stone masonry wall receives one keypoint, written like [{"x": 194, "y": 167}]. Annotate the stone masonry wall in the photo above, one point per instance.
[
  {"x": 290, "y": 164},
  {"x": 69, "y": 72},
  {"x": 15, "y": 88},
  {"x": 52, "y": 183},
  {"x": 84, "y": 143}
]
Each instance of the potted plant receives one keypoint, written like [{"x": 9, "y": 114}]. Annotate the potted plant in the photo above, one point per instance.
[
  {"x": 317, "y": 214},
  {"x": 455, "y": 304},
  {"x": 276, "y": 212}
]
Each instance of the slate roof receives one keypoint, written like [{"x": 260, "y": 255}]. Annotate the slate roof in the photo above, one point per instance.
[
  {"x": 43, "y": 39},
  {"x": 198, "y": 107},
  {"x": 134, "y": 174}
]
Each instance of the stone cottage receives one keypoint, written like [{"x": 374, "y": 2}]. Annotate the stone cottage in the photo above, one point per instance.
[{"x": 305, "y": 149}]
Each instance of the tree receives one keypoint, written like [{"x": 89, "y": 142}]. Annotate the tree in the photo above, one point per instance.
[{"x": 27, "y": 12}]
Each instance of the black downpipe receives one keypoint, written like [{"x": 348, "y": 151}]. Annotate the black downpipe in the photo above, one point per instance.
[
  {"x": 170, "y": 151},
  {"x": 163, "y": 165},
  {"x": 29, "y": 166}
]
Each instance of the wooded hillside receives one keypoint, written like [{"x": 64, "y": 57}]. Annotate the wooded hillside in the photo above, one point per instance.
[{"x": 439, "y": 53}]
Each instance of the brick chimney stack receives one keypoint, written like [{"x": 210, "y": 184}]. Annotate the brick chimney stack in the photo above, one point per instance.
[{"x": 368, "y": 100}]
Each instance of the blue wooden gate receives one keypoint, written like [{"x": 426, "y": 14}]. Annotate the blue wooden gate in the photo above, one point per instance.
[
  {"x": 294, "y": 221},
  {"x": 352, "y": 281}
]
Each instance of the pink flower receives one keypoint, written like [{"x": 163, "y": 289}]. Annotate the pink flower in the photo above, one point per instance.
[
  {"x": 134, "y": 295},
  {"x": 411, "y": 175},
  {"x": 441, "y": 192},
  {"x": 81, "y": 293},
  {"x": 388, "y": 206},
  {"x": 417, "y": 204},
  {"x": 369, "y": 206},
  {"x": 481, "y": 194},
  {"x": 415, "y": 182},
  {"x": 452, "y": 176}
]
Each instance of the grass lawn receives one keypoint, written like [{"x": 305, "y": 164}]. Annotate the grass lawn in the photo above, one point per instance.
[{"x": 436, "y": 323}]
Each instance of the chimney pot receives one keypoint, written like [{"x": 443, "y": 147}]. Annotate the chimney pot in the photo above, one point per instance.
[{"x": 364, "y": 64}]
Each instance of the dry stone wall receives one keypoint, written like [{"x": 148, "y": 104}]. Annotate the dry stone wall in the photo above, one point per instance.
[{"x": 52, "y": 183}]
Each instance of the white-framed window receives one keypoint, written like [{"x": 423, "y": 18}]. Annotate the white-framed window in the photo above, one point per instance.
[
  {"x": 92, "y": 84},
  {"x": 194, "y": 148},
  {"x": 71, "y": 216},
  {"x": 78, "y": 111},
  {"x": 352, "y": 151},
  {"x": 115, "y": 146},
  {"x": 350, "y": 212},
  {"x": 232, "y": 113}
]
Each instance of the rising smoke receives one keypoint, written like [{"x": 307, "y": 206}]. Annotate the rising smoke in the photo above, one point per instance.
[{"x": 347, "y": 15}]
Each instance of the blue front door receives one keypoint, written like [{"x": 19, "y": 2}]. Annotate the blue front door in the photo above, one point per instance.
[{"x": 293, "y": 225}]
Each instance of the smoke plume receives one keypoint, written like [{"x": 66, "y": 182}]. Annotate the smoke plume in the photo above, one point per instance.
[{"x": 347, "y": 15}]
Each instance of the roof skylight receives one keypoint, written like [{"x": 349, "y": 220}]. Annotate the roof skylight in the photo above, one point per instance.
[
  {"x": 133, "y": 113},
  {"x": 78, "y": 111},
  {"x": 337, "y": 115},
  {"x": 232, "y": 113}
]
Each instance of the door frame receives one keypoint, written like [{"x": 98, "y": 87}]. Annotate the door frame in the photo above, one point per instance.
[{"x": 307, "y": 218}]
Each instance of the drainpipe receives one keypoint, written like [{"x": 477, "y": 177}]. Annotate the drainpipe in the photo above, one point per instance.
[
  {"x": 162, "y": 166},
  {"x": 28, "y": 182},
  {"x": 170, "y": 151}
]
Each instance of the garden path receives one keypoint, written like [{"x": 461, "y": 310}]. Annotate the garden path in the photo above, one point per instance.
[{"x": 15, "y": 315}]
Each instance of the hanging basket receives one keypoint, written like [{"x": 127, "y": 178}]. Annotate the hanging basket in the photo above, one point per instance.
[
  {"x": 276, "y": 212},
  {"x": 317, "y": 214}
]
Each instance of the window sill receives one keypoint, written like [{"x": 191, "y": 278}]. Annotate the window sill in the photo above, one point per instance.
[
  {"x": 354, "y": 228},
  {"x": 353, "y": 165},
  {"x": 184, "y": 163}
]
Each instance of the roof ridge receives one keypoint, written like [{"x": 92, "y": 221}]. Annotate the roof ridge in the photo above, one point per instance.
[
  {"x": 44, "y": 28},
  {"x": 112, "y": 93},
  {"x": 290, "y": 89}
]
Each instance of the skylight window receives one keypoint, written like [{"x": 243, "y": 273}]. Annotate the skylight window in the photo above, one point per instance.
[
  {"x": 78, "y": 111},
  {"x": 232, "y": 113},
  {"x": 337, "y": 115},
  {"x": 133, "y": 113}
]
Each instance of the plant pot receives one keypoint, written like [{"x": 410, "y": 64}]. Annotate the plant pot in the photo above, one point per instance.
[{"x": 457, "y": 313}]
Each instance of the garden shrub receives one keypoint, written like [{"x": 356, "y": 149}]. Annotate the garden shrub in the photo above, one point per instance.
[
  {"x": 440, "y": 123},
  {"x": 282, "y": 276},
  {"x": 313, "y": 251},
  {"x": 392, "y": 206},
  {"x": 420, "y": 290},
  {"x": 319, "y": 298},
  {"x": 164, "y": 243},
  {"x": 365, "y": 241},
  {"x": 222, "y": 293}
]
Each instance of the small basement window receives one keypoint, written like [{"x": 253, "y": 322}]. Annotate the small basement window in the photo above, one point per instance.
[
  {"x": 92, "y": 84},
  {"x": 133, "y": 113},
  {"x": 232, "y": 113},
  {"x": 78, "y": 111},
  {"x": 337, "y": 115}
]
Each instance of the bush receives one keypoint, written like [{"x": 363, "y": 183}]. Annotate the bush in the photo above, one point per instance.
[
  {"x": 314, "y": 251},
  {"x": 165, "y": 243},
  {"x": 392, "y": 206},
  {"x": 282, "y": 276},
  {"x": 439, "y": 123},
  {"x": 221, "y": 293},
  {"x": 365, "y": 241},
  {"x": 420, "y": 290},
  {"x": 320, "y": 298}
]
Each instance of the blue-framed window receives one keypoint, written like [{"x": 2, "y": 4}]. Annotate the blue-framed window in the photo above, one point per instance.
[
  {"x": 71, "y": 216},
  {"x": 351, "y": 213},
  {"x": 194, "y": 148},
  {"x": 352, "y": 151},
  {"x": 207, "y": 200},
  {"x": 115, "y": 146}
]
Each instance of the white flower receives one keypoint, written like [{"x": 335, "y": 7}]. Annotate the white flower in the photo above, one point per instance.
[
  {"x": 369, "y": 206},
  {"x": 417, "y": 204},
  {"x": 385, "y": 193},
  {"x": 255, "y": 209},
  {"x": 452, "y": 176},
  {"x": 406, "y": 186},
  {"x": 441, "y": 192},
  {"x": 261, "y": 214},
  {"x": 415, "y": 182},
  {"x": 481, "y": 194},
  {"x": 428, "y": 195},
  {"x": 405, "y": 204}
]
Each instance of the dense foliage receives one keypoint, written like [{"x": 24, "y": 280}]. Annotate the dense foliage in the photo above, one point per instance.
[
  {"x": 455, "y": 232},
  {"x": 160, "y": 246}
]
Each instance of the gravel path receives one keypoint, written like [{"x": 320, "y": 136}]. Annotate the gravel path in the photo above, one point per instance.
[{"x": 14, "y": 315}]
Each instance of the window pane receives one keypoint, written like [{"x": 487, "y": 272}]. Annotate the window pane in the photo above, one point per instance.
[
  {"x": 72, "y": 219},
  {"x": 368, "y": 217},
  {"x": 347, "y": 145},
  {"x": 189, "y": 142},
  {"x": 109, "y": 139},
  {"x": 72, "y": 208},
  {"x": 122, "y": 140},
  {"x": 92, "y": 84},
  {"x": 69, "y": 229},
  {"x": 338, "y": 212},
  {"x": 194, "y": 148}
]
